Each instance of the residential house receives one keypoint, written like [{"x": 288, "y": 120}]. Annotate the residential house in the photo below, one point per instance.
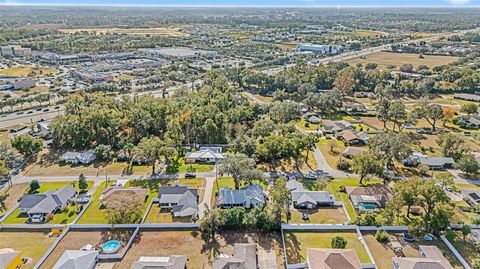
[
  {"x": 468, "y": 121},
  {"x": 37, "y": 206},
  {"x": 244, "y": 257},
  {"x": 354, "y": 108},
  {"x": 168, "y": 262},
  {"x": 467, "y": 97},
  {"x": 352, "y": 151},
  {"x": 78, "y": 157},
  {"x": 349, "y": 137},
  {"x": 181, "y": 200},
  {"x": 331, "y": 127},
  {"x": 369, "y": 198},
  {"x": 326, "y": 258},
  {"x": 205, "y": 155},
  {"x": 472, "y": 196},
  {"x": 10, "y": 259},
  {"x": 77, "y": 259},
  {"x": 113, "y": 192},
  {"x": 430, "y": 257},
  {"x": 248, "y": 197},
  {"x": 312, "y": 199},
  {"x": 417, "y": 158}
]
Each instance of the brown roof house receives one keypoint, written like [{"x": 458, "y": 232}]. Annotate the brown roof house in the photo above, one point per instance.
[
  {"x": 369, "y": 198},
  {"x": 113, "y": 192},
  {"x": 431, "y": 258},
  {"x": 326, "y": 258},
  {"x": 349, "y": 137}
]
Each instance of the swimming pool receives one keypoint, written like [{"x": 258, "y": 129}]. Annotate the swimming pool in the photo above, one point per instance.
[
  {"x": 111, "y": 246},
  {"x": 366, "y": 207}
]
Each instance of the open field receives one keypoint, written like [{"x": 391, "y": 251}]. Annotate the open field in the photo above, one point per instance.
[
  {"x": 165, "y": 243},
  {"x": 25, "y": 71},
  {"x": 398, "y": 59},
  {"x": 74, "y": 240},
  {"x": 324, "y": 145},
  {"x": 297, "y": 243},
  {"x": 383, "y": 253},
  {"x": 179, "y": 166},
  {"x": 30, "y": 244},
  {"x": 173, "y": 31}
]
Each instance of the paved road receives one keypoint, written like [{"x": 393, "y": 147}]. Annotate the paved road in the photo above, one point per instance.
[{"x": 206, "y": 204}]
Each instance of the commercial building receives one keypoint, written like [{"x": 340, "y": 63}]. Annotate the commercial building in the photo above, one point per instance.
[
  {"x": 319, "y": 49},
  {"x": 177, "y": 53},
  {"x": 15, "y": 51}
]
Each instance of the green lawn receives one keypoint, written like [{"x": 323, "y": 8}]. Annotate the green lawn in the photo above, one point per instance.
[
  {"x": 311, "y": 127},
  {"x": 296, "y": 244},
  {"x": 179, "y": 166},
  {"x": 157, "y": 216},
  {"x": 323, "y": 215},
  {"x": 333, "y": 187},
  {"x": 64, "y": 217},
  {"x": 95, "y": 214}
]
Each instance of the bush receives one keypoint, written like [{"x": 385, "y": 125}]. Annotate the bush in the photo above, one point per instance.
[
  {"x": 49, "y": 217},
  {"x": 34, "y": 186},
  {"x": 367, "y": 219},
  {"x": 451, "y": 236},
  {"x": 338, "y": 242},
  {"x": 382, "y": 236},
  {"x": 343, "y": 165}
]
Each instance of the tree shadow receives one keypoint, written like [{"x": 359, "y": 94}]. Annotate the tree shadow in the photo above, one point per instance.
[{"x": 292, "y": 249}]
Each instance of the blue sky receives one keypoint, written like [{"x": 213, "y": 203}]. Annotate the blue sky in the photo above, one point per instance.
[{"x": 256, "y": 2}]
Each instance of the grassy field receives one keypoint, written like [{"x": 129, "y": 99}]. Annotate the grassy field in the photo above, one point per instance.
[
  {"x": 64, "y": 217},
  {"x": 334, "y": 156},
  {"x": 15, "y": 192},
  {"x": 95, "y": 214},
  {"x": 156, "y": 215},
  {"x": 311, "y": 127},
  {"x": 173, "y": 31},
  {"x": 30, "y": 244},
  {"x": 25, "y": 71},
  {"x": 383, "y": 253},
  {"x": 296, "y": 244},
  {"x": 179, "y": 166},
  {"x": 398, "y": 59}
]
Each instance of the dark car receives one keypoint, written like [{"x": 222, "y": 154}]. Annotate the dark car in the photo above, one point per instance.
[
  {"x": 30, "y": 112},
  {"x": 190, "y": 175},
  {"x": 38, "y": 109},
  {"x": 409, "y": 237},
  {"x": 46, "y": 110},
  {"x": 57, "y": 107}
]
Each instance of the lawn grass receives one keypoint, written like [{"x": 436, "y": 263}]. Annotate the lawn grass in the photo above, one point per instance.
[
  {"x": 297, "y": 243},
  {"x": 155, "y": 215},
  {"x": 179, "y": 166},
  {"x": 30, "y": 244},
  {"x": 331, "y": 157},
  {"x": 322, "y": 215},
  {"x": 333, "y": 187},
  {"x": 302, "y": 123},
  {"x": 94, "y": 213}
]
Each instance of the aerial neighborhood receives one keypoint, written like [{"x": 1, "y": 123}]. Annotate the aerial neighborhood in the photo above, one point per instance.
[{"x": 142, "y": 137}]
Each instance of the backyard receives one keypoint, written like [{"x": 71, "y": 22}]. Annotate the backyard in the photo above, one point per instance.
[
  {"x": 297, "y": 243},
  {"x": 30, "y": 244},
  {"x": 383, "y": 253},
  {"x": 467, "y": 249},
  {"x": 322, "y": 215}
]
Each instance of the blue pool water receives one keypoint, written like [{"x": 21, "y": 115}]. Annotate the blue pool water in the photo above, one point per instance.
[
  {"x": 111, "y": 246},
  {"x": 366, "y": 207}
]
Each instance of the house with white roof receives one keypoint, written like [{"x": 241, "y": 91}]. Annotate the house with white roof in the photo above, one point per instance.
[
  {"x": 205, "y": 155},
  {"x": 167, "y": 262},
  {"x": 78, "y": 157}
]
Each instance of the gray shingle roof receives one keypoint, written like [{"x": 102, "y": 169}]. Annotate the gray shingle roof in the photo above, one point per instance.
[
  {"x": 244, "y": 257},
  {"x": 170, "y": 262},
  {"x": 185, "y": 198},
  {"x": 312, "y": 196},
  {"x": 77, "y": 259},
  {"x": 47, "y": 202},
  {"x": 250, "y": 192}
]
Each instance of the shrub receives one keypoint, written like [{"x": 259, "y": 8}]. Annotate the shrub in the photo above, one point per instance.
[
  {"x": 382, "y": 236},
  {"x": 343, "y": 165},
  {"x": 451, "y": 236},
  {"x": 34, "y": 186},
  {"x": 49, "y": 217},
  {"x": 367, "y": 219},
  {"x": 338, "y": 242}
]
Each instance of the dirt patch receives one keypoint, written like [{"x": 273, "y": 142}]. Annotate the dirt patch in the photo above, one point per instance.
[
  {"x": 383, "y": 59},
  {"x": 15, "y": 192}
]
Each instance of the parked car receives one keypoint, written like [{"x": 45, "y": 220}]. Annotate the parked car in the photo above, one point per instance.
[
  {"x": 305, "y": 215},
  {"x": 190, "y": 175},
  {"x": 20, "y": 112},
  {"x": 409, "y": 237},
  {"x": 46, "y": 110}
]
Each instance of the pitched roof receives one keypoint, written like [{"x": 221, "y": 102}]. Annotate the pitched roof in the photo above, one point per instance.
[
  {"x": 250, "y": 192},
  {"x": 348, "y": 135},
  {"x": 7, "y": 256},
  {"x": 185, "y": 198},
  {"x": 47, "y": 202},
  {"x": 312, "y": 196},
  {"x": 325, "y": 258},
  {"x": 170, "y": 262},
  {"x": 433, "y": 259},
  {"x": 244, "y": 257},
  {"x": 77, "y": 259},
  {"x": 206, "y": 153}
]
